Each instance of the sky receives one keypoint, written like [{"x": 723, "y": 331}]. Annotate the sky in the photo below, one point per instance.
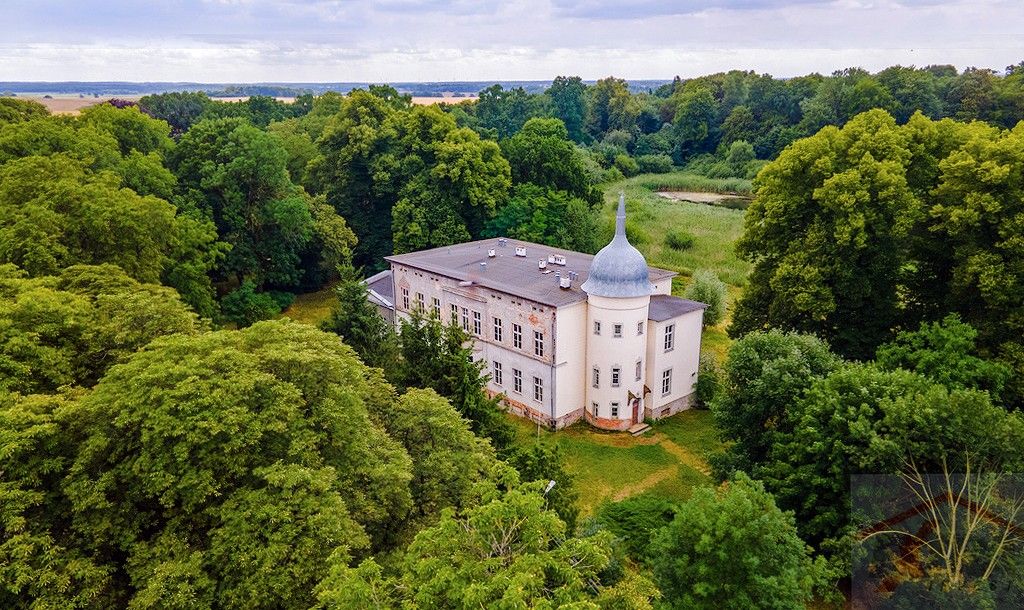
[{"x": 444, "y": 40}]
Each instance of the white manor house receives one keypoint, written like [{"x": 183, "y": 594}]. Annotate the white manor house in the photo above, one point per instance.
[{"x": 564, "y": 335}]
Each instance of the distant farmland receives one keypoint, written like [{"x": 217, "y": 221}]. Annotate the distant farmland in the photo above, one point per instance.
[{"x": 73, "y": 104}]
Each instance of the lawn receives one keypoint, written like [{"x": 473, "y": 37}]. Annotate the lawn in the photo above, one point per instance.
[
  {"x": 609, "y": 466},
  {"x": 312, "y": 307}
]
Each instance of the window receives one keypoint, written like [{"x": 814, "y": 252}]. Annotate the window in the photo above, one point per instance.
[
  {"x": 616, "y": 373},
  {"x": 670, "y": 338},
  {"x": 639, "y": 369},
  {"x": 517, "y": 336},
  {"x": 405, "y": 298},
  {"x": 615, "y": 409},
  {"x": 593, "y": 407},
  {"x": 538, "y": 343},
  {"x": 497, "y": 373},
  {"x": 538, "y": 389},
  {"x": 478, "y": 325},
  {"x": 640, "y": 328},
  {"x": 597, "y": 377},
  {"x": 597, "y": 327},
  {"x": 497, "y": 329},
  {"x": 420, "y": 304},
  {"x": 517, "y": 381},
  {"x": 666, "y": 382},
  {"x": 617, "y": 330},
  {"x": 465, "y": 319},
  {"x": 437, "y": 307},
  {"x": 455, "y": 313}
]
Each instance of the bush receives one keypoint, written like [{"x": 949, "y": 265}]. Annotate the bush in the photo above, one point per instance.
[
  {"x": 709, "y": 381},
  {"x": 706, "y": 288},
  {"x": 244, "y": 306},
  {"x": 679, "y": 240},
  {"x": 654, "y": 164},
  {"x": 284, "y": 300},
  {"x": 627, "y": 165},
  {"x": 634, "y": 520}
]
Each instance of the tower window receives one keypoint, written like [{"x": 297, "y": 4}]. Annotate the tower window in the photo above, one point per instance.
[
  {"x": 616, "y": 374},
  {"x": 597, "y": 377},
  {"x": 617, "y": 330},
  {"x": 615, "y": 409},
  {"x": 597, "y": 327},
  {"x": 639, "y": 369},
  {"x": 640, "y": 328},
  {"x": 593, "y": 407}
]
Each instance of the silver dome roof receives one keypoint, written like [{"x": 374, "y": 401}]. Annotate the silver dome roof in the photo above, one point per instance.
[{"x": 619, "y": 270}]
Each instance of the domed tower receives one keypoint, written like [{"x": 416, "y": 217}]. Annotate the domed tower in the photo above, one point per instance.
[{"x": 618, "y": 297}]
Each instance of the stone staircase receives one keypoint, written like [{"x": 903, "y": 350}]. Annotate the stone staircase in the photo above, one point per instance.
[{"x": 638, "y": 428}]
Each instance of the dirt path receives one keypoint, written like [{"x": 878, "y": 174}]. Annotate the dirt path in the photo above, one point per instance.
[
  {"x": 646, "y": 483},
  {"x": 686, "y": 457}
]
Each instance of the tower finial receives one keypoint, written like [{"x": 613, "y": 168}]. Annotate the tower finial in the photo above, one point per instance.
[{"x": 620, "y": 216}]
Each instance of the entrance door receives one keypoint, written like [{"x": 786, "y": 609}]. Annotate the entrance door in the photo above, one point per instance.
[{"x": 636, "y": 410}]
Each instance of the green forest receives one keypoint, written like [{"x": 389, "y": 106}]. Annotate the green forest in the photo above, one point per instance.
[{"x": 169, "y": 440}]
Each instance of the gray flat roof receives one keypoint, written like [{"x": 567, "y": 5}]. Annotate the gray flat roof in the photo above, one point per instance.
[
  {"x": 382, "y": 285},
  {"x": 508, "y": 273},
  {"x": 665, "y": 307}
]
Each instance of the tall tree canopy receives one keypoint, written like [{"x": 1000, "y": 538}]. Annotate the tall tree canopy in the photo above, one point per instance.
[
  {"x": 732, "y": 547},
  {"x": 69, "y": 329},
  {"x": 859, "y": 232},
  {"x": 221, "y": 470},
  {"x": 507, "y": 550}
]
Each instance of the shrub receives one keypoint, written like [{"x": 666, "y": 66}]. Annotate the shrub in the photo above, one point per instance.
[
  {"x": 634, "y": 520},
  {"x": 627, "y": 165},
  {"x": 706, "y": 288},
  {"x": 679, "y": 240},
  {"x": 244, "y": 306},
  {"x": 709, "y": 381},
  {"x": 654, "y": 164}
]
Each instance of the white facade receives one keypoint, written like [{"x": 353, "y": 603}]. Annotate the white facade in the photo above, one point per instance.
[{"x": 555, "y": 351}]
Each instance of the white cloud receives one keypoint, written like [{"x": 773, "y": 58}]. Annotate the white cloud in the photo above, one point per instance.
[{"x": 356, "y": 40}]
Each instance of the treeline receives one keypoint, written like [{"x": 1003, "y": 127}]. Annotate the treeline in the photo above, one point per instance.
[{"x": 708, "y": 114}]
